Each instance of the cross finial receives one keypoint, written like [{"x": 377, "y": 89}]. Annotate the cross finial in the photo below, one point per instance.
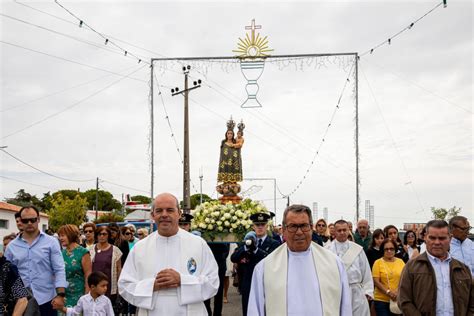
[{"x": 253, "y": 27}]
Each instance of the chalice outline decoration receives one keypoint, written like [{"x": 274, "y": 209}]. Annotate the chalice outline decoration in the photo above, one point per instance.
[{"x": 252, "y": 51}]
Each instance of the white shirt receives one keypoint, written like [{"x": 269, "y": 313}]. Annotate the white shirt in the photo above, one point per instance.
[
  {"x": 87, "y": 306},
  {"x": 303, "y": 293},
  {"x": 444, "y": 297}
]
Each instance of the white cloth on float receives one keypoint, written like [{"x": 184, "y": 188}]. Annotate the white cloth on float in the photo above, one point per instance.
[
  {"x": 184, "y": 252},
  {"x": 315, "y": 284},
  {"x": 358, "y": 273}
]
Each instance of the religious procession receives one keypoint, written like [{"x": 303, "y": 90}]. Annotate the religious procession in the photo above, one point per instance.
[{"x": 287, "y": 137}]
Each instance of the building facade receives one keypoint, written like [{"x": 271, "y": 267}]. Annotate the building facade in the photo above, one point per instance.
[{"x": 8, "y": 223}]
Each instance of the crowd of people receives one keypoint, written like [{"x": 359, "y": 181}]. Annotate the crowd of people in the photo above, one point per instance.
[{"x": 296, "y": 268}]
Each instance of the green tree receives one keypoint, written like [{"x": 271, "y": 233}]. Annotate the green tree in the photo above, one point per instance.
[
  {"x": 67, "y": 211},
  {"x": 106, "y": 200},
  {"x": 141, "y": 199},
  {"x": 445, "y": 214},
  {"x": 196, "y": 200},
  {"x": 23, "y": 198},
  {"x": 109, "y": 218}
]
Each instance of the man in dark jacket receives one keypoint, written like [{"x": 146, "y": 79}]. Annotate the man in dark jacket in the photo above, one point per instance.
[
  {"x": 434, "y": 283},
  {"x": 257, "y": 245}
]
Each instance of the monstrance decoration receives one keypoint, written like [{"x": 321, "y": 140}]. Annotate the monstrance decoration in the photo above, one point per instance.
[{"x": 252, "y": 52}]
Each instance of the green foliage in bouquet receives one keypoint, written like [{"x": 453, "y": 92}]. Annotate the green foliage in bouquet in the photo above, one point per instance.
[{"x": 215, "y": 221}]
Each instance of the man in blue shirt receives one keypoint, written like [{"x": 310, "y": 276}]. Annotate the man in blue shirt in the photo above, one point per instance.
[
  {"x": 39, "y": 261},
  {"x": 462, "y": 248}
]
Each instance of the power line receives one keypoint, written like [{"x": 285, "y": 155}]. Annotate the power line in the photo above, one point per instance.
[
  {"x": 24, "y": 182},
  {"x": 423, "y": 88},
  {"x": 72, "y": 105},
  {"x": 171, "y": 128},
  {"x": 124, "y": 186},
  {"x": 323, "y": 139},
  {"x": 75, "y": 24},
  {"x": 42, "y": 171},
  {"x": 82, "y": 23},
  {"x": 389, "y": 40},
  {"x": 58, "y": 92},
  {"x": 62, "y": 34},
  {"x": 410, "y": 182},
  {"x": 68, "y": 60}
]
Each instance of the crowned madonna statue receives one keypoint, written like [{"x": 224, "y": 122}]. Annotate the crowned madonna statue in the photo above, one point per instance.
[{"x": 230, "y": 163}]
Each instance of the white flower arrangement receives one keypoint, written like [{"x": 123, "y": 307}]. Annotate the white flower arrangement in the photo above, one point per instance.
[{"x": 216, "y": 221}]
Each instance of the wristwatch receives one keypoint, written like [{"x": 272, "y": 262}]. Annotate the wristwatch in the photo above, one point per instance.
[{"x": 62, "y": 294}]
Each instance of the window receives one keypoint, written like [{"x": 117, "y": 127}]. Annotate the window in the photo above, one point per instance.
[{"x": 4, "y": 224}]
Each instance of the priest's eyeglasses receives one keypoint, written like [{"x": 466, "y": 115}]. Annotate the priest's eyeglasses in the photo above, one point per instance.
[{"x": 293, "y": 228}]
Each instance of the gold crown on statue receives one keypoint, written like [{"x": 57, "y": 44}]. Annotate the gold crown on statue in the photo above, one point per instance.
[
  {"x": 230, "y": 124},
  {"x": 241, "y": 126}
]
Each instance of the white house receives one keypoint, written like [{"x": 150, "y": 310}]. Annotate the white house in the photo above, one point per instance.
[{"x": 8, "y": 223}]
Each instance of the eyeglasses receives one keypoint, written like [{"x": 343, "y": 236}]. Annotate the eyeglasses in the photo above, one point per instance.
[
  {"x": 88, "y": 231},
  {"x": 464, "y": 229},
  {"x": 321, "y": 225},
  {"x": 128, "y": 233},
  {"x": 389, "y": 249},
  {"x": 410, "y": 236},
  {"x": 293, "y": 228},
  {"x": 440, "y": 238},
  {"x": 103, "y": 234},
  {"x": 29, "y": 220}
]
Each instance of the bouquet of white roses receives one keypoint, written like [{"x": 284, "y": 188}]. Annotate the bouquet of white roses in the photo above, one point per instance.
[{"x": 216, "y": 221}]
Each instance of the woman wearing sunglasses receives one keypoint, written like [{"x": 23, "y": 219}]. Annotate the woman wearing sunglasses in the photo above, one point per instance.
[
  {"x": 386, "y": 273},
  {"x": 89, "y": 232}
]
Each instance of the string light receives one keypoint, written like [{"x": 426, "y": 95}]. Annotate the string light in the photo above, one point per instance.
[
  {"x": 370, "y": 51},
  {"x": 81, "y": 23}
]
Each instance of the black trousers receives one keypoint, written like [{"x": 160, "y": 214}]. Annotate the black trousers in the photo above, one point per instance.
[
  {"x": 220, "y": 254},
  {"x": 46, "y": 309}
]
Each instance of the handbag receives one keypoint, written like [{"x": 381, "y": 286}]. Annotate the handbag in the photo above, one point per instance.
[
  {"x": 393, "y": 304},
  {"x": 394, "y": 308}
]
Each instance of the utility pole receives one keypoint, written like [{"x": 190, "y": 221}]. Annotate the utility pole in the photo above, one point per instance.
[
  {"x": 186, "y": 174},
  {"x": 200, "y": 184},
  {"x": 96, "y": 198},
  {"x": 357, "y": 133},
  {"x": 152, "y": 140}
]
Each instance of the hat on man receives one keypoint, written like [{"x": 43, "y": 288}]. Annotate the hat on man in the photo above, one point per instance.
[
  {"x": 260, "y": 218},
  {"x": 185, "y": 218}
]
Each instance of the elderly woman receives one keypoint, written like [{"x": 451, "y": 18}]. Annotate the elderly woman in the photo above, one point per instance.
[
  {"x": 77, "y": 262},
  {"x": 106, "y": 258},
  {"x": 13, "y": 294}
]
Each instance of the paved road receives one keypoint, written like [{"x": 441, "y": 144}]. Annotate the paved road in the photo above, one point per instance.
[{"x": 234, "y": 306}]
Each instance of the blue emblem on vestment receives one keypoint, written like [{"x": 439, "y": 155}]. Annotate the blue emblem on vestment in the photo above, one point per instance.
[{"x": 192, "y": 266}]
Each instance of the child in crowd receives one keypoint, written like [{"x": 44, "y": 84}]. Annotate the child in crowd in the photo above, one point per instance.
[{"x": 93, "y": 303}]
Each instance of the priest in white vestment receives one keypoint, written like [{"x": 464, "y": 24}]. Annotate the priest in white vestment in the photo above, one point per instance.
[
  {"x": 299, "y": 277},
  {"x": 171, "y": 272},
  {"x": 357, "y": 268}
]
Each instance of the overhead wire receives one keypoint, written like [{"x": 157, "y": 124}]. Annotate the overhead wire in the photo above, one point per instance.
[
  {"x": 407, "y": 175},
  {"x": 107, "y": 40},
  {"x": 60, "y": 91},
  {"x": 68, "y": 60},
  {"x": 390, "y": 39},
  {"x": 70, "y": 106},
  {"x": 171, "y": 127},
  {"x": 42, "y": 171},
  {"x": 420, "y": 87},
  {"x": 25, "y": 182},
  {"x": 125, "y": 186}
]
